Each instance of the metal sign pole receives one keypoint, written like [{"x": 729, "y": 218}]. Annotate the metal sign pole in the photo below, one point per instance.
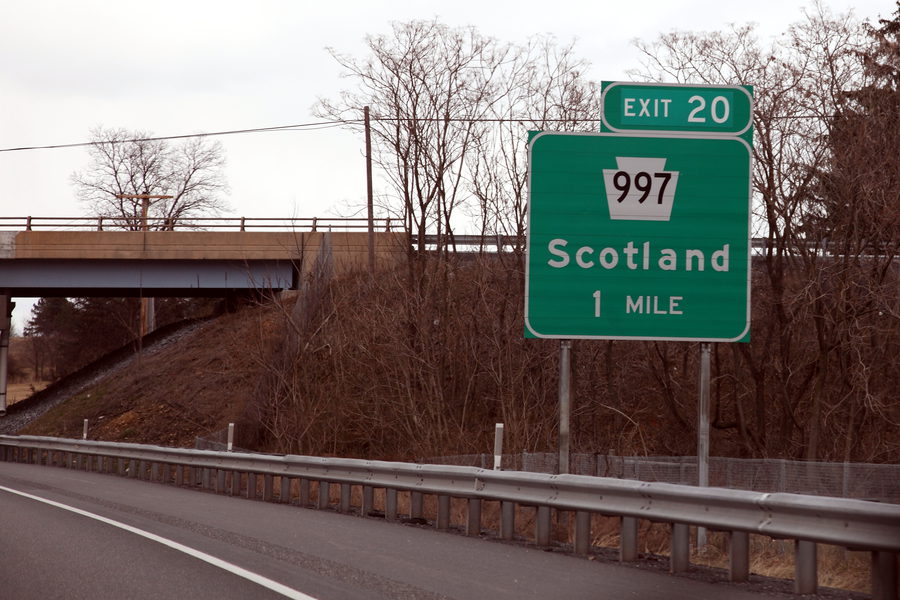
[
  {"x": 703, "y": 431},
  {"x": 565, "y": 402}
]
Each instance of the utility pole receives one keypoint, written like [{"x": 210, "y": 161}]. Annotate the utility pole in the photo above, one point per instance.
[
  {"x": 369, "y": 200},
  {"x": 148, "y": 305}
]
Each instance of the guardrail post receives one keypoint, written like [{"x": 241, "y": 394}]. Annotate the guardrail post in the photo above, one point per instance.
[
  {"x": 154, "y": 471},
  {"x": 805, "y": 573},
  {"x": 251, "y": 486},
  {"x": 390, "y": 504},
  {"x": 473, "y": 523},
  {"x": 680, "y": 548},
  {"x": 345, "y": 498},
  {"x": 220, "y": 481},
  {"x": 443, "y": 513},
  {"x": 324, "y": 493},
  {"x": 739, "y": 556},
  {"x": 179, "y": 475},
  {"x": 368, "y": 500},
  {"x": 236, "y": 483},
  {"x": 167, "y": 473},
  {"x": 268, "y": 485},
  {"x": 507, "y": 519},
  {"x": 416, "y": 505},
  {"x": 542, "y": 526},
  {"x": 303, "y": 500},
  {"x": 285, "y": 495},
  {"x": 884, "y": 575},
  {"x": 582, "y": 532}
]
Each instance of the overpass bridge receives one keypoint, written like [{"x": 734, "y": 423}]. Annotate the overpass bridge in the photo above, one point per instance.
[
  {"x": 43, "y": 257},
  {"x": 62, "y": 257}
]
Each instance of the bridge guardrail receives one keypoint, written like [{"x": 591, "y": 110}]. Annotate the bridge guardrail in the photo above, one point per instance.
[
  {"x": 30, "y": 223},
  {"x": 857, "y": 524},
  {"x": 380, "y": 224}
]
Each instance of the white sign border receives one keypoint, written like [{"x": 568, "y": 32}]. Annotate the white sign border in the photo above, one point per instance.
[
  {"x": 644, "y": 134},
  {"x": 675, "y": 132}
]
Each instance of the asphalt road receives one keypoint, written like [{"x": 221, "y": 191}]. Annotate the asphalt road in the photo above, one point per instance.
[{"x": 136, "y": 540}]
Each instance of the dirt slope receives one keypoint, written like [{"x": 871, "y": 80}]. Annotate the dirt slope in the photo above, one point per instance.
[{"x": 189, "y": 384}]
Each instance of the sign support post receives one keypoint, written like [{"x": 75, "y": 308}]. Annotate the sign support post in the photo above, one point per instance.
[
  {"x": 703, "y": 431},
  {"x": 565, "y": 402}
]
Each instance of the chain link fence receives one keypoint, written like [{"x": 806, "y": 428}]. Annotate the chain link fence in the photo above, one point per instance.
[
  {"x": 862, "y": 481},
  {"x": 880, "y": 483},
  {"x": 218, "y": 441}
]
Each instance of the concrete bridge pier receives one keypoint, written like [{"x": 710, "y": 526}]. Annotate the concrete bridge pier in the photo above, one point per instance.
[{"x": 6, "y": 306}]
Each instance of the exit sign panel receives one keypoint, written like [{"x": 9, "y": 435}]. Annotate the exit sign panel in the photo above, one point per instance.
[
  {"x": 638, "y": 237},
  {"x": 711, "y": 110}
]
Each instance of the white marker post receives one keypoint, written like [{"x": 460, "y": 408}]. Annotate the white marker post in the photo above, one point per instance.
[
  {"x": 84, "y": 433},
  {"x": 230, "y": 444},
  {"x": 498, "y": 445}
]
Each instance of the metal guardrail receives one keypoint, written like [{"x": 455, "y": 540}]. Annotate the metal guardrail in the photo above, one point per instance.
[
  {"x": 200, "y": 223},
  {"x": 856, "y": 524}
]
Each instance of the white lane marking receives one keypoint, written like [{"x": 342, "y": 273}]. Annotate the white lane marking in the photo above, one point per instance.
[{"x": 217, "y": 562}]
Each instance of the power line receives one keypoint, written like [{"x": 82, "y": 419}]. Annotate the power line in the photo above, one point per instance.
[
  {"x": 295, "y": 127},
  {"x": 319, "y": 125},
  {"x": 298, "y": 127}
]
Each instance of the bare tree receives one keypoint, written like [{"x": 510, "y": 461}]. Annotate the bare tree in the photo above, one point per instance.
[
  {"x": 819, "y": 346},
  {"x": 429, "y": 87},
  {"x": 130, "y": 163},
  {"x": 545, "y": 90},
  {"x": 852, "y": 288}
]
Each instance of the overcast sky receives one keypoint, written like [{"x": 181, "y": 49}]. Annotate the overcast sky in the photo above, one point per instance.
[{"x": 190, "y": 66}]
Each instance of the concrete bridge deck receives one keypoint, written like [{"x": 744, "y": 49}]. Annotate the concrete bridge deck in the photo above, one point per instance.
[{"x": 148, "y": 263}]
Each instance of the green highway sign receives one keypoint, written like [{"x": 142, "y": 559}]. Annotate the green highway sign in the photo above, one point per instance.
[
  {"x": 693, "y": 109},
  {"x": 639, "y": 235}
]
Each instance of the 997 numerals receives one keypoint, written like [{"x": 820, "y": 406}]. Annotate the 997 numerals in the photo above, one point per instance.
[{"x": 643, "y": 182}]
